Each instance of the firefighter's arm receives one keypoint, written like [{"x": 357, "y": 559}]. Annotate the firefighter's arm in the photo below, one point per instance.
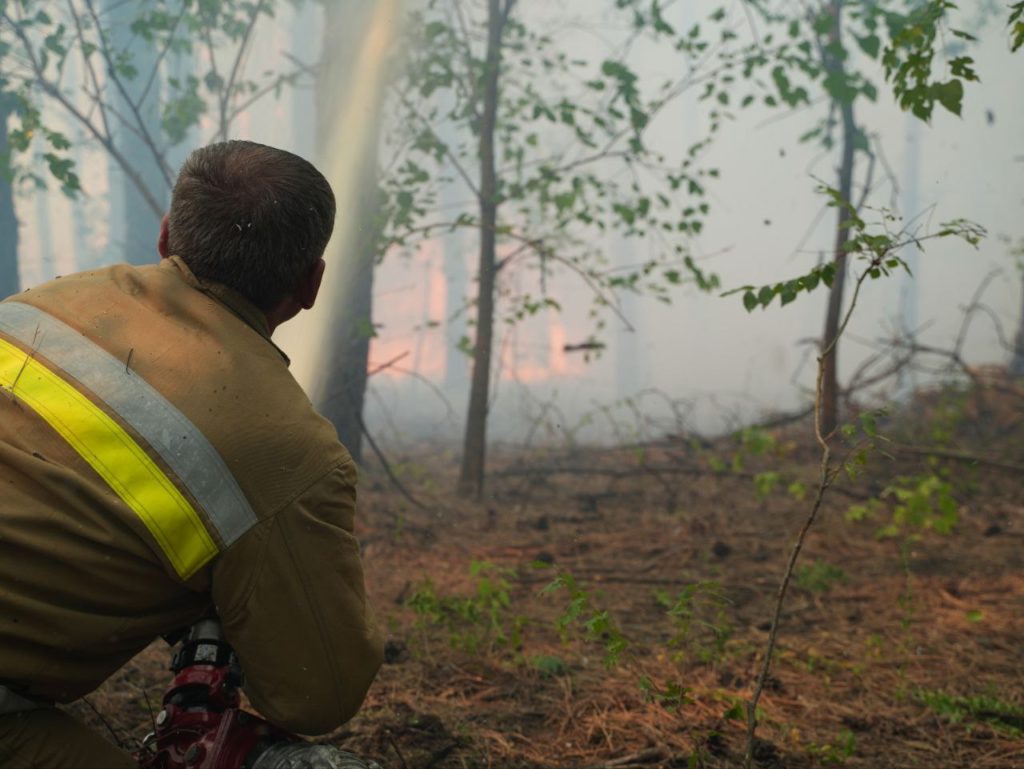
[{"x": 291, "y": 597}]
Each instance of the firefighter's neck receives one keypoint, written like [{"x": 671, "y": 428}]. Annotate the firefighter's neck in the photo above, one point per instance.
[{"x": 302, "y": 298}]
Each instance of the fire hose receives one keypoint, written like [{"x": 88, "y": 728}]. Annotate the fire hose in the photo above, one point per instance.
[{"x": 202, "y": 726}]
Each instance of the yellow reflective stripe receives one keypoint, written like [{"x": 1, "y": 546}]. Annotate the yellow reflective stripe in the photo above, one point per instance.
[{"x": 114, "y": 455}]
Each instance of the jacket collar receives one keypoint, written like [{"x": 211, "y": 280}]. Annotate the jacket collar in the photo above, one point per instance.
[{"x": 241, "y": 307}]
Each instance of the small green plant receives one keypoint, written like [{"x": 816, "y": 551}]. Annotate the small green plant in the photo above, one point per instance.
[
  {"x": 548, "y": 665},
  {"x": 754, "y": 442},
  {"x": 1004, "y": 717},
  {"x": 765, "y": 483},
  {"x": 921, "y": 503},
  {"x": 818, "y": 577},
  {"x": 949, "y": 414},
  {"x": 700, "y": 623},
  {"x": 598, "y": 625},
  {"x": 797, "y": 490},
  {"x": 671, "y": 696},
  {"x": 837, "y": 753},
  {"x": 480, "y": 621}
]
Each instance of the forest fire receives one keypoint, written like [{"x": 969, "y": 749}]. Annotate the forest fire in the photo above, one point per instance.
[{"x": 604, "y": 384}]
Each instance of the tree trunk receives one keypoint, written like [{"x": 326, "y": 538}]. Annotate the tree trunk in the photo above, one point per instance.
[
  {"x": 341, "y": 392},
  {"x": 474, "y": 447},
  {"x": 829, "y": 405},
  {"x": 46, "y": 267},
  {"x": 134, "y": 223},
  {"x": 9, "y": 282},
  {"x": 1017, "y": 361}
]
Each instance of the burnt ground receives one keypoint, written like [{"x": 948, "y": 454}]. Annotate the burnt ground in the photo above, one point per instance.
[{"x": 899, "y": 648}]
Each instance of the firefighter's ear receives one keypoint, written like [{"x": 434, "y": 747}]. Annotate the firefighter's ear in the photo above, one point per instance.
[
  {"x": 309, "y": 288},
  {"x": 161, "y": 241}
]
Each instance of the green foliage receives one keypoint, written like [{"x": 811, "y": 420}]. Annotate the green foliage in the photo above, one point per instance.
[
  {"x": 37, "y": 37},
  {"x": 700, "y": 626},
  {"x": 753, "y": 442},
  {"x": 797, "y": 490},
  {"x": 572, "y": 157},
  {"x": 818, "y": 577},
  {"x": 765, "y": 483},
  {"x": 1016, "y": 24},
  {"x": 549, "y": 666},
  {"x": 863, "y": 439},
  {"x": 1005, "y": 717},
  {"x": 29, "y": 131},
  {"x": 671, "y": 696},
  {"x": 836, "y": 753},
  {"x": 840, "y": 48},
  {"x": 182, "y": 109},
  {"x": 909, "y": 57},
  {"x": 875, "y": 246},
  {"x": 919, "y": 503},
  {"x": 482, "y": 621},
  {"x": 949, "y": 415},
  {"x": 583, "y": 612}
]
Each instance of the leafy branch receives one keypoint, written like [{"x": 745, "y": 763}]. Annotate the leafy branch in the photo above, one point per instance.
[{"x": 878, "y": 252}]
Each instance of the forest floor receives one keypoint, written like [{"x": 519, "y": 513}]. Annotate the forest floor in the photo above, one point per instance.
[{"x": 609, "y": 608}]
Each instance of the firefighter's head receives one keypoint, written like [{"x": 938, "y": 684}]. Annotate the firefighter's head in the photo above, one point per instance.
[{"x": 254, "y": 218}]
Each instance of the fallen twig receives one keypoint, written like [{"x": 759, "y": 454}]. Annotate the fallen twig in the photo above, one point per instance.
[{"x": 643, "y": 758}]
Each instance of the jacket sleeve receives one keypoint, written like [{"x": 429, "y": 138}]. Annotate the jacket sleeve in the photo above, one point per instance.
[{"x": 291, "y": 598}]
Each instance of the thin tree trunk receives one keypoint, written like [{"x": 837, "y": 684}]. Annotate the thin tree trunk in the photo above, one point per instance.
[
  {"x": 9, "y": 282},
  {"x": 341, "y": 394},
  {"x": 474, "y": 447},
  {"x": 1017, "y": 361},
  {"x": 47, "y": 265},
  {"x": 830, "y": 386}
]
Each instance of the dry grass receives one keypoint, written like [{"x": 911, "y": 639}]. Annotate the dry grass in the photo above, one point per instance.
[{"x": 940, "y": 614}]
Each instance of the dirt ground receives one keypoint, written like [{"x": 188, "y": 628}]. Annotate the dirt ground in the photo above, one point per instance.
[{"x": 893, "y": 651}]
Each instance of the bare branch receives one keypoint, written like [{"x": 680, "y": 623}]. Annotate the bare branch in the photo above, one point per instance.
[
  {"x": 163, "y": 54},
  {"x": 273, "y": 85},
  {"x": 538, "y": 247},
  {"x": 225, "y": 95},
  {"x": 144, "y": 133},
  {"x": 87, "y": 62}
]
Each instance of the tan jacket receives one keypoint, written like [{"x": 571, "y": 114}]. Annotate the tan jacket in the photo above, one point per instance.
[{"x": 88, "y": 577}]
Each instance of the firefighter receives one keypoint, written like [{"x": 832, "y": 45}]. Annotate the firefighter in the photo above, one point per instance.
[{"x": 157, "y": 461}]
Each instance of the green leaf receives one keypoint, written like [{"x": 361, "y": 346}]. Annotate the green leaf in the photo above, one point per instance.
[
  {"x": 549, "y": 666},
  {"x": 870, "y": 44},
  {"x": 749, "y": 300},
  {"x": 949, "y": 94},
  {"x": 736, "y": 713}
]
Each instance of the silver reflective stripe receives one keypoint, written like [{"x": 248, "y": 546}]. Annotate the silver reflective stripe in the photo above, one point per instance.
[
  {"x": 15, "y": 703},
  {"x": 178, "y": 442}
]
